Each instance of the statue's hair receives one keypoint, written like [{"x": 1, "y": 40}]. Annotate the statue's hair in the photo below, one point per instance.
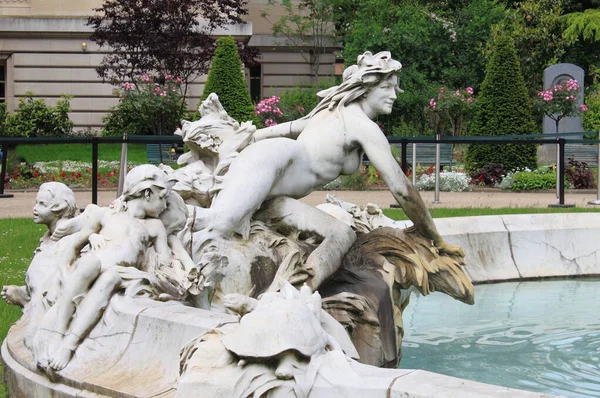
[
  {"x": 61, "y": 193},
  {"x": 137, "y": 181},
  {"x": 357, "y": 80}
]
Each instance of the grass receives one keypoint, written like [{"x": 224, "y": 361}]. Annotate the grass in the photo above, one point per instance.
[
  {"x": 18, "y": 240},
  {"x": 136, "y": 153},
  {"x": 20, "y": 237}
]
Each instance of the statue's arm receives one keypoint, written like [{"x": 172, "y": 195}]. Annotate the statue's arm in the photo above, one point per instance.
[
  {"x": 158, "y": 233},
  {"x": 180, "y": 253},
  {"x": 288, "y": 130},
  {"x": 378, "y": 150},
  {"x": 90, "y": 220}
]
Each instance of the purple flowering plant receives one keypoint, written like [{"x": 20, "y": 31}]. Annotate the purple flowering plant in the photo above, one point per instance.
[
  {"x": 268, "y": 111},
  {"x": 453, "y": 106},
  {"x": 560, "y": 101}
]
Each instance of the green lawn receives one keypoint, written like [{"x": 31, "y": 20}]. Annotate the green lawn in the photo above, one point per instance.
[
  {"x": 398, "y": 214},
  {"x": 20, "y": 237},
  {"x": 136, "y": 153}
]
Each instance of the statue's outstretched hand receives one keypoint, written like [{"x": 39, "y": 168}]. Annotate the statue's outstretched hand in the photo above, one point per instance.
[{"x": 452, "y": 250}]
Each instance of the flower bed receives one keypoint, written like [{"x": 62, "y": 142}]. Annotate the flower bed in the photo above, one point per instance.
[{"x": 76, "y": 175}]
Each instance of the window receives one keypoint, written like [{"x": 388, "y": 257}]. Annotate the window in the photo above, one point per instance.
[
  {"x": 255, "y": 83},
  {"x": 2, "y": 83}
]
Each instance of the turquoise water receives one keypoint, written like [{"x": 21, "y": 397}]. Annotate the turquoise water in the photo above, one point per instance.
[{"x": 539, "y": 336}]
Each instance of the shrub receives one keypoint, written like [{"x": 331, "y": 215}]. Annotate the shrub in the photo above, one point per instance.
[
  {"x": 450, "y": 181},
  {"x": 579, "y": 175},
  {"x": 33, "y": 118},
  {"x": 454, "y": 106},
  {"x": 527, "y": 181},
  {"x": 291, "y": 104},
  {"x": 502, "y": 108},
  {"x": 560, "y": 101},
  {"x": 490, "y": 175},
  {"x": 147, "y": 108},
  {"x": 226, "y": 79}
]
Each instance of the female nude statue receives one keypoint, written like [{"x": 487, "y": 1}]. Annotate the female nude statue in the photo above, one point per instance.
[{"x": 294, "y": 158}]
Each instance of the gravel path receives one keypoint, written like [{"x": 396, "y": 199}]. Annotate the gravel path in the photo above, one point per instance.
[{"x": 21, "y": 204}]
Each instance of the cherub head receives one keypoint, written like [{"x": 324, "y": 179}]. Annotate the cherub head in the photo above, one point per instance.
[
  {"x": 54, "y": 201},
  {"x": 145, "y": 192}
]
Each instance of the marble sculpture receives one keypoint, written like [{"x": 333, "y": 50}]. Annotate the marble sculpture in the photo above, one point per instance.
[{"x": 315, "y": 289}]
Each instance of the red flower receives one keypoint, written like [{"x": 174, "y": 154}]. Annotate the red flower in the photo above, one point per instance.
[
  {"x": 53, "y": 178},
  {"x": 63, "y": 174}
]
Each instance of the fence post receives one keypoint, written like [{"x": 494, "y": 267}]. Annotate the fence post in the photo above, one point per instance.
[
  {"x": 597, "y": 201},
  {"x": 436, "y": 196},
  {"x": 95, "y": 170},
  {"x": 558, "y": 158},
  {"x": 560, "y": 175},
  {"x": 122, "y": 166},
  {"x": 3, "y": 172},
  {"x": 414, "y": 164},
  {"x": 404, "y": 144}
]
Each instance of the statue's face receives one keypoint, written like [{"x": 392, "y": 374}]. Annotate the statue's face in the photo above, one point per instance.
[
  {"x": 380, "y": 98},
  {"x": 154, "y": 202},
  {"x": 42, "y": 211}
]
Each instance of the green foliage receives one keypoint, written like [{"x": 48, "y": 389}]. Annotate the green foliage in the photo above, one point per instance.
[
  {"x": 536, "y": 29},
  {"x": 226, "y": 79},
  {"x": 502, "y": 108},
  {"x": 453, "y": 106},
  {"x": 437, "y": 45},
  {"x": 591, "y": 118},
  {"x": 33, "y": 118},
  {"x": 147, "y": 108},
  {"x": 582, "y": 24},
  {"x": 527, "y": 181}
]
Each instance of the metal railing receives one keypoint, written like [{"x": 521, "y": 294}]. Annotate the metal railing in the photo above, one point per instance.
[{"x": 559, "y": 139}]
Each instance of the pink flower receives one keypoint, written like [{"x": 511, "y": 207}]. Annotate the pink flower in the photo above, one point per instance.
[
  {"x": 583, "y": 108},
  {"x": 178, "y": 80},
  {"x": 432, "y": 103},
  {"x": 300, "y": 108},
  {"x": 169, "y": 77},
  {"x": 127, "y": 86},
  {"x": 470, "y": 99},
  {"x": 469, "y": 90},
  {"x": 145, "y": 77},
  {"x": 457, "y": 93},
  {"x": 163, "y": 94}
]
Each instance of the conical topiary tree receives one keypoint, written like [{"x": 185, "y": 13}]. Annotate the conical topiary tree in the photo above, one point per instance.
[
  {"x": 226, "y": 79},
  {"x": 503, "y": 108}
]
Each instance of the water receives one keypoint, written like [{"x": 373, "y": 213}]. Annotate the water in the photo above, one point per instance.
[{"x": 538, "y": 336}]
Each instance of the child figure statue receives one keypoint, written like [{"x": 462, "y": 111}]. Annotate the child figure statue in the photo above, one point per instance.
[
  {"x": 119, "y": 237},
  {"x": 54, "y": 203}
]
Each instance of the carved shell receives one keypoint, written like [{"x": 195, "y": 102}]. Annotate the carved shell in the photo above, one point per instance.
[{"x": 275, "y": 327}]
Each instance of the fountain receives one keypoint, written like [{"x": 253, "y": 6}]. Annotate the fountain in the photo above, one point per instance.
[{"x": 214, "y": 280}]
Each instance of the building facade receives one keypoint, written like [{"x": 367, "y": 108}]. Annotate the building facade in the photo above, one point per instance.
[{"x": 45, "y": 49}]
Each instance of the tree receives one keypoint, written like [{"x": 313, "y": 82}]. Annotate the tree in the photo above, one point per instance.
[
  {"x": 160, "y": 37},
  {"x": 502, "y": 108},
  {"x": 437, "y": 47},
  {"x": 226, "y": 79},
  {"x": 307, "y": 26}
]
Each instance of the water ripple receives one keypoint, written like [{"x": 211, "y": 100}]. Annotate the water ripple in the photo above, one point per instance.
[{"x": 539, "y": 336}]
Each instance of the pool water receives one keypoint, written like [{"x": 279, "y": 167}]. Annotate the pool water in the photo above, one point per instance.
[{"x": 540, "y": 336}]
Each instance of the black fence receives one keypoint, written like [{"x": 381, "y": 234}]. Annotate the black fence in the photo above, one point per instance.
[{"x": 559, "y": 139}]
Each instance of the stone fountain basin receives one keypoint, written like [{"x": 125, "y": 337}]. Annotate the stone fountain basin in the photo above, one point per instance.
[{"x": 140, "y": 357}]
